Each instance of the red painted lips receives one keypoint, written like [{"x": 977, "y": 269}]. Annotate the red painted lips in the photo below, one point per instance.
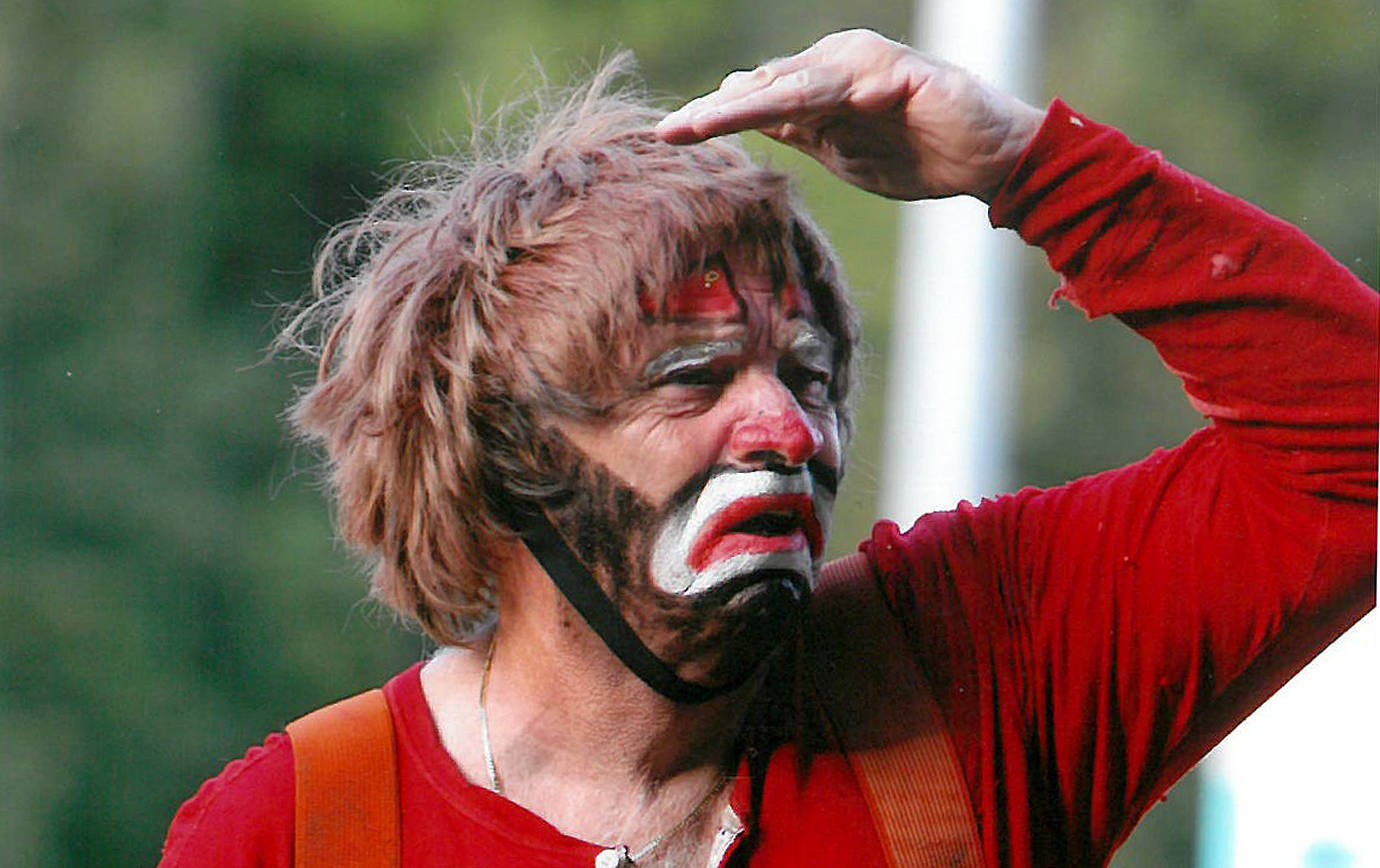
[{"x": 760, "y": 524}]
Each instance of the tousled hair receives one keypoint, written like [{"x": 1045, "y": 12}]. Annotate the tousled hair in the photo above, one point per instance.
[{"x": 482, "y": 292}]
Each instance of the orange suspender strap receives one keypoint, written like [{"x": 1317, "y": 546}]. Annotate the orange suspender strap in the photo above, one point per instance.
[
  {"x": 890, "y": 727},
  {"x": 346, "y": 813}
]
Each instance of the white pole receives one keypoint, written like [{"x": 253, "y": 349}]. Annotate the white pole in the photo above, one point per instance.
[{"x": 952, "y": 341}]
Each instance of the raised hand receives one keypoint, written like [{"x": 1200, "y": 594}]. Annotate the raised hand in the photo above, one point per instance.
[{"x": 876, "y": 113}]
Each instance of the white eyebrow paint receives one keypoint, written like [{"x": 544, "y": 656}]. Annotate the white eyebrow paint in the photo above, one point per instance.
[
  {"x": 689, "y": 356},
  {"x": 813, "y": 348}
]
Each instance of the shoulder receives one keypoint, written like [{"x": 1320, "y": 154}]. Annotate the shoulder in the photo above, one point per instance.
[{"x": 241, "y": 817}]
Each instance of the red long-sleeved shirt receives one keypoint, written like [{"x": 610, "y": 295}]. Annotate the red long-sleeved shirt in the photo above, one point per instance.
[{"x": 1085, "y": 644}]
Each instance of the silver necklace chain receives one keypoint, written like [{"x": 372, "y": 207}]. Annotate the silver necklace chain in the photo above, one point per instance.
[{"x": 611, "y": 856}]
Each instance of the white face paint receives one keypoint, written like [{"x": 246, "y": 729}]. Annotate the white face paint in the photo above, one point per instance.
[{"x": 741, "y": 523}]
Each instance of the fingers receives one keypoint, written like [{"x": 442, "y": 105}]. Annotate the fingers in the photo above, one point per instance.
[
  {"x": 742, "y": 81},
  {"x": 776, "y": 93},
  {"x": 795, "y": 89},
  {"x": 744, "y": 100},
  {"x": 802, "y": 137},
  {"x": 686, "y": 124}
]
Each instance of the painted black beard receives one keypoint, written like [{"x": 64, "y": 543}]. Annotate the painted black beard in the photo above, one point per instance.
[{"x": 717, "y": 637}]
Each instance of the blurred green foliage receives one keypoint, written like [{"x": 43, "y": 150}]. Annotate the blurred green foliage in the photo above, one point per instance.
[{"x": 169, "y": 589}]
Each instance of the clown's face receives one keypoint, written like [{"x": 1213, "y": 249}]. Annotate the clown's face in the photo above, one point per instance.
[{"x": 719, "y": 471}]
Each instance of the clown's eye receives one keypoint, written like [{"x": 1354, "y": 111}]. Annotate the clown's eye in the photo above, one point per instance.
[
  {"x": 806, "y": 381},
  {"x": 699, "y": 376}
]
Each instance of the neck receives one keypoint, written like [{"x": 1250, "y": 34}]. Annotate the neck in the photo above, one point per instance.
[
  {"x": 559, "y": 687},
  {"x": 572, "y": 728}
]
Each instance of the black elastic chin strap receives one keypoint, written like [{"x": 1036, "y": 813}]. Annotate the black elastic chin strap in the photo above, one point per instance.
[{"x": 576, "y": 582}]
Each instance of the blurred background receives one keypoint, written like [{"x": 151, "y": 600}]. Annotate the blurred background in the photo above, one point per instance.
[{"x": 170, "y": 591}]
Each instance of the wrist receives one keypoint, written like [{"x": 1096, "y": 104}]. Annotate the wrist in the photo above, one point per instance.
[{"x": 1024, "y": 122}]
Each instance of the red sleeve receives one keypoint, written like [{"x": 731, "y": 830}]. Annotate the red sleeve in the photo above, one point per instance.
[
  {"x": 1090, "y": 643},
  {"x": 242, "y": 818}
]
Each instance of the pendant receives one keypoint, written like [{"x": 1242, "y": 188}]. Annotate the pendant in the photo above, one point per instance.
[{"x": 614, "y": 857}]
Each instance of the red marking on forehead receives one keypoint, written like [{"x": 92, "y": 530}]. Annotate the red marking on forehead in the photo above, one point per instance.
[{"x": 707, "y": 294}]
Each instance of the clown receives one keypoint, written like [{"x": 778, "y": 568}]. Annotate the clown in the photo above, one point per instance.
[{"x": 585, "y": 400}]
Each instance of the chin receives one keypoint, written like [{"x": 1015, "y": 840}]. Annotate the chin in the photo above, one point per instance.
[
  {"x": 748, "y": 589},
  {"x": 753, "y": 614}
]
